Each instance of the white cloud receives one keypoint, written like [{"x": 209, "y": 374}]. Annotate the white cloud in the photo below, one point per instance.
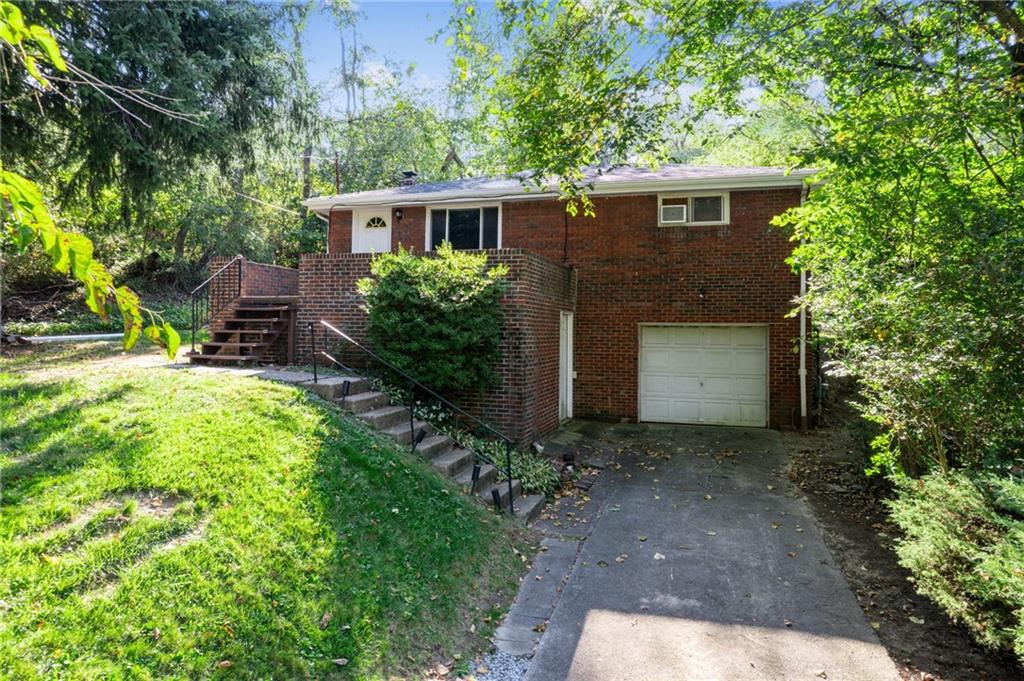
[{"x": 377, "y": 73}]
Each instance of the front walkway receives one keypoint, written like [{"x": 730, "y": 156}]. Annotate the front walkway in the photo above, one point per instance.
[{"x": 698, "y": 563}]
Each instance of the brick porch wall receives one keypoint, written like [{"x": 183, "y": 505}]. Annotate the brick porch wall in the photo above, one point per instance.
[{"x": 525, "y": 403}]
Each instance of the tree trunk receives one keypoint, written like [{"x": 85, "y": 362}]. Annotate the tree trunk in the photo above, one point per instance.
[
  {"x": 306, "y": 187},
  {"x": 179, "y": 241}
]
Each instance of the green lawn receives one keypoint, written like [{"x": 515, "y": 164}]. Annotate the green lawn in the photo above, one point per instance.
[{"x": 160, "y": 522}]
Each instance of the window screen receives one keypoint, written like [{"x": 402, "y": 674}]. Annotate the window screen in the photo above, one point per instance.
[
  {"x": 706, "y": 209},
  {"x": 464, "y": 228},
  {"x": 490, "y": 237},
  {"x": 437, "y": 218}
]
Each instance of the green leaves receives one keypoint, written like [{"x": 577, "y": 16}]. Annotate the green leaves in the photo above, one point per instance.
[
  {"x": 30, "y": 44},
  {"x": 439, "y": 318},
  {"x": 164, "y": 336},
  {"x": 71, "y": 253},
  {"x": 44, "y": 39}
]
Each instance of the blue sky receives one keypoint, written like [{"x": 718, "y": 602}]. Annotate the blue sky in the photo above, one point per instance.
[{"x": 396, "y": 31}]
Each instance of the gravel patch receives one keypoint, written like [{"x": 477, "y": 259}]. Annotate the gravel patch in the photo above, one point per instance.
[{"x": 501, "y": 667}]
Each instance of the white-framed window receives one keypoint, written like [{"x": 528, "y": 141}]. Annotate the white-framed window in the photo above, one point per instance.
[
  {"x": 464, "y": 227},
  {"x": 705, "y": 208}
]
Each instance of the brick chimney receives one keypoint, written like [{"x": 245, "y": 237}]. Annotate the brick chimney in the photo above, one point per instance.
[{"x": 408, "y": 178}]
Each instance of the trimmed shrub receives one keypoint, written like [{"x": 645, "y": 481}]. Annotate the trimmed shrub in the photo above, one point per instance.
[
  {"x": 964, "y": 543},
  {"x": 437, "y": 318}
]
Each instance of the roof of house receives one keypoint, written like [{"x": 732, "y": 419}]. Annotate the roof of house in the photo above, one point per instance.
[{"x": 602, "y": 181}]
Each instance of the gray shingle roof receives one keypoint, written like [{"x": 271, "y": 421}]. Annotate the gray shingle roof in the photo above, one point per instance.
[{"x": 601, "y": 181}]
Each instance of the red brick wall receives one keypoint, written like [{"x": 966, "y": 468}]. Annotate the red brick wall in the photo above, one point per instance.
[
  {"x": 630, "y": 271},
  {"x": 409, "y": 232},
  {"x": 525, "y": 403},
  {"x": 339, "y": 232},
  {"x": 327, "y": 291},
  {"x": 258, "y": 279},
  {"x": 269, "y": 280}
]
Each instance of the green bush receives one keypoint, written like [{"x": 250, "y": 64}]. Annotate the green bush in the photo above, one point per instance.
[
  {"x": 964, "y": 543},
  {"x": 437, "y": 318},
  {"x": 536, "y": 473}
]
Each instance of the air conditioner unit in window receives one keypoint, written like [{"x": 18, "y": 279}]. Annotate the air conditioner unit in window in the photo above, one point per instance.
[{"x": 673, "y": 214}]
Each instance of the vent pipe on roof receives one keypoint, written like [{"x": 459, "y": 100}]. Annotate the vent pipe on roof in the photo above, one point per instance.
[{"x": 408, "y": 178}]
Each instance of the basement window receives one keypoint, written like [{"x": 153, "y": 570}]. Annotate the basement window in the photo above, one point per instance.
[
  {"x": 464, "y": 228},
  {"x": 693, "y": 209}
]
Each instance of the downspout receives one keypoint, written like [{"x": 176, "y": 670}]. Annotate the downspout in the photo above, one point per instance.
[
  {"x": 327, "y": 219},
  {"x": 803, "y": 333},
  {"x": 565, "y": 236}
]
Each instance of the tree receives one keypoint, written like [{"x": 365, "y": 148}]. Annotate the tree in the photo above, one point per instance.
[
  {"x": 211, "y": 69},
  {"x": 914, "y": 240},
  {"x": 27, "y": 219}
]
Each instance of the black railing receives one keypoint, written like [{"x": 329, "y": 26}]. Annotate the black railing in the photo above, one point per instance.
[
  {"x": 416, "y": 387},
  {"x": 222, "y": 288}
]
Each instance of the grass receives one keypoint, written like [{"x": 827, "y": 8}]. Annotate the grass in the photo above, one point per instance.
[{"x": 166, "y": 523}]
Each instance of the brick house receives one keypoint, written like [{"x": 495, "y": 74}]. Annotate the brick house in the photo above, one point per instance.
[{"x": 670, "y": 305}]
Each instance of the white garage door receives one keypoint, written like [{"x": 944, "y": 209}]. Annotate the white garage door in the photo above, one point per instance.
[{"x": 704, "y": 374}]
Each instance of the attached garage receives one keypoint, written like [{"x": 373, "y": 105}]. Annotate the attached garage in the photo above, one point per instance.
[{"x": 704, "y": 374}]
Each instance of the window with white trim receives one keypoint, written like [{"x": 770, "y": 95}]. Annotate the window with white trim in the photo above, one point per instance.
[
  {"x": 463, "y": 228},
  {"x": 693, "y": 209}
]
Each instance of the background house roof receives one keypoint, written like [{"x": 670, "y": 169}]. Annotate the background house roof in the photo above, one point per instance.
[{"x": 601, "y": 181}]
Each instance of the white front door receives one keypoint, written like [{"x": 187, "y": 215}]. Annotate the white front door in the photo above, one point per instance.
[
  {"x": 565, "y": 370},
  {"x": 704, "y": 374},
  {"x": 371, "y": 231}
]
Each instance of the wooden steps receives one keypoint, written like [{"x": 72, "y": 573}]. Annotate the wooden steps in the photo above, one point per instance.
[{"x": 248, "y": 331}]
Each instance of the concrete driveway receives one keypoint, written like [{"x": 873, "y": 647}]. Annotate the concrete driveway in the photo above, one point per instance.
[{"x": 698, "y": 562}]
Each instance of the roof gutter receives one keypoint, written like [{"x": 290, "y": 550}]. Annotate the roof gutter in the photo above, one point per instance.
[{"x": 329, "y": 203}]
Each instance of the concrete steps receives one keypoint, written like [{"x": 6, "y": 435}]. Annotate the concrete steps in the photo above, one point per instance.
[{"x": 354, "y": 395}]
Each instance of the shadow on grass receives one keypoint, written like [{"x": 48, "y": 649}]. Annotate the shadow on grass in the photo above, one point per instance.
[
  {"x": 427, "y": 547},
  {"x": 28, "y": 357},
  {"x": 405, "y": 555},
  {"x": 73, "y": 441},
  {"x": 26, "y": 435}
]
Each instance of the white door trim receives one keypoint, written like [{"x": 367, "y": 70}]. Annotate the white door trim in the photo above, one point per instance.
[
  {"x": 767, "y": 358},
  {"x": 565, "y": 365}
]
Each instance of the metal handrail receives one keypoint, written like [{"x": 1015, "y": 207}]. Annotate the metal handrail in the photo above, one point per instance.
[
  {"x": 414, "y": 385},
  {"x": 214, "y": 275},
  {"x": 201, "y": 297}
]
